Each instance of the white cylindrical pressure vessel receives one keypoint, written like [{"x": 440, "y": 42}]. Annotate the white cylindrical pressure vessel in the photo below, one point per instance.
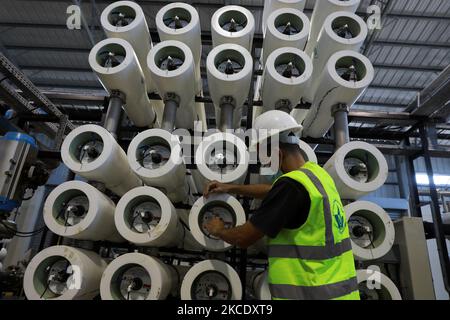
[
  {"x": 322, "y": 9},
  {"x": 211, "y": 280},
  {"x": 77, "y": 210},
  {"x": 299, "y": 114},
  {"x": 126, "y": 20},
  {"x": 357, "y": 168},
  {"x": 286, "y": 27},
  {"x": 374, "y": 285},
  {"x": 224, "y": 206},
  {"x": 155, "y": 155},
  {"x": 259, "y": 285},
  {"x": 222, "y": 157},
  {"x": 233, "y": 25},
  {"x": 272, "y": 5},
  {"x": 371, "y": 229},
  {"x": 286, "y": 78},
  {"x": 145, "y": 216},
  {"x": 342, "y": 31},
  {"x": 180, "y": 21},
  {"x": 136, "y": 276},
  {"x": 229, "y": 71},
  {"x": 172, "y": 67},
  {"x": 63, "y": 273},
  {"x": 345, "y": 77},
  {"x": 93, "y": 153},
  {"x": 117, "y": 67}
]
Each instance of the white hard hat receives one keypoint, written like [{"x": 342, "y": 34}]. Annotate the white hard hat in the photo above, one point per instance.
[{"x": 275, "y": 122}]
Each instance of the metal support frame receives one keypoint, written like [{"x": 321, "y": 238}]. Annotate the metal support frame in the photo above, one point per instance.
[
  {"x": 29, "y": 89},
  {"x": 63, "y": 123},
  {"x": 23, "y": 106},
  {"x": 414, "y": 200},
  {"x": 433, "y": 100}
]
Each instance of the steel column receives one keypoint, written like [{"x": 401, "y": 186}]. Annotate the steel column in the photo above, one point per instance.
[{"x": 436, "y": 212}]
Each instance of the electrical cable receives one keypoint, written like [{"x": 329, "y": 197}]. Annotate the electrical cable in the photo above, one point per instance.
[
  {"x": 46, "y": 288},
  {"x": 370, "y": 234}
]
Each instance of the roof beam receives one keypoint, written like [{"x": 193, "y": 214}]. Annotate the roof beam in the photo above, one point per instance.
[
  {"x": 85, "y": 69},
  {"x": 434, "y": 100},
  {"x": 406, "y": 43},
  {"x": 416, "y": 68},
  {"x": 398, "y": 88}
]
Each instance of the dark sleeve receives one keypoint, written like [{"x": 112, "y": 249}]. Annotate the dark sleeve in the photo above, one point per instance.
[{"x": 285, "y": 206}]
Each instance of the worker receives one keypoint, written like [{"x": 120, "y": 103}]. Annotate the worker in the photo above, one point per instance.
[{"x": 309, "y": 248}]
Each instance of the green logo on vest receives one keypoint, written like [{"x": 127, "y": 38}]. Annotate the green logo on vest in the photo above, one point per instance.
[{"x": 338, "y": 214}]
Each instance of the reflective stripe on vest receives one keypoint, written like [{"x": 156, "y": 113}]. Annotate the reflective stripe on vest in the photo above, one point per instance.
[
  {"x": 323, "y": 292},
  {"x": 329, "y": 239},
  {"x": 309, "y": 252}
]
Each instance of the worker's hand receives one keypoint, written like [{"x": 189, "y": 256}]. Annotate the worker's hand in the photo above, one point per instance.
[
  {"x": 216, "y": 187},
  {"x": 215, "y": 226}
]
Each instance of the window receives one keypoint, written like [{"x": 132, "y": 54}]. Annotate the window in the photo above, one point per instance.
[{"x": 439, "y": 179}]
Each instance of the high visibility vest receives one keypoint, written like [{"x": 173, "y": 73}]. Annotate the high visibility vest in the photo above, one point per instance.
[{"x": 314, "y": 261}]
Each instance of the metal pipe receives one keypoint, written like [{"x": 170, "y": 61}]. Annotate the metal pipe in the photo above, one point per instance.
[
  {"x": 226, "y": 114},
  {"x": 171, "y": 103},
  {"x": 114, "y": 113},
  {"x": 341, "y": 132},
  {"x": 284, "y": 105}
]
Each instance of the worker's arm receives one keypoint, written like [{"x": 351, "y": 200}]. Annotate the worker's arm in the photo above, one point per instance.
[
  {"x": 258, "y": 191},
  {"x": 241, "y": 236}
]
